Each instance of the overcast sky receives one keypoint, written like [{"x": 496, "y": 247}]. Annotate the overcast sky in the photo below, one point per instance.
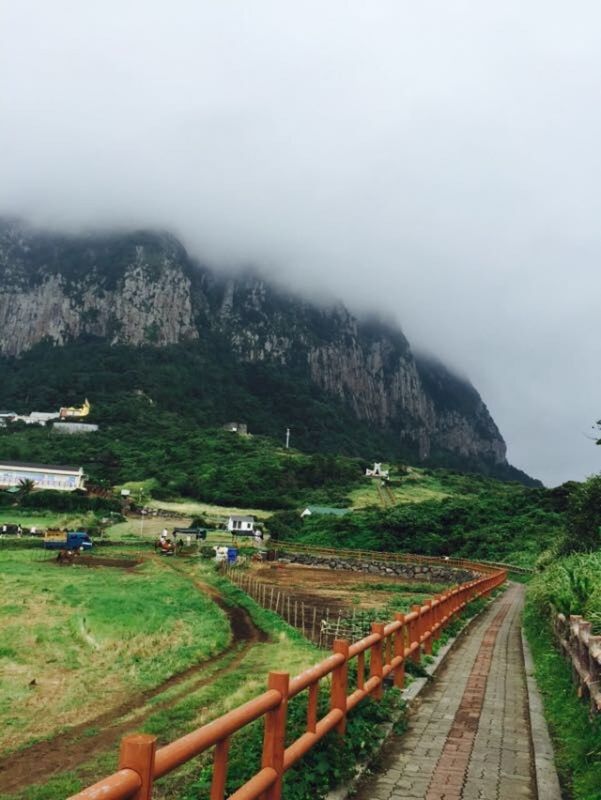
[{"x": 437, "y": 161}]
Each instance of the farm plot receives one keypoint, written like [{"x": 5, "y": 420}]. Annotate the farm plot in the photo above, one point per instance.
[
  {"x": 325, "y": 603},
  {"x": 76, "y": 642}
]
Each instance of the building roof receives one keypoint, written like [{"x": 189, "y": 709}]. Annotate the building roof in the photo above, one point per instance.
[
  {"x": 40, "y": 467},
  {"x": 242, "y": 517},
  {"x": 335, "y": 512}
]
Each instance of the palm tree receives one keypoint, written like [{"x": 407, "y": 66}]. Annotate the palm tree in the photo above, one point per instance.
[{"x": 26, "y": 486}]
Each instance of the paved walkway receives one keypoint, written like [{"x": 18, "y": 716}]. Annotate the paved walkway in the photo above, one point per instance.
[{"x": 470, "y": 737}]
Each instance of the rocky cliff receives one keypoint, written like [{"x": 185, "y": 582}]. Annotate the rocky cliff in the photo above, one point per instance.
[{"x": 142, "y": 289}]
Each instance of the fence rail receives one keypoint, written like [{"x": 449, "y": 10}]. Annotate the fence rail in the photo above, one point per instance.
[
  {"x": 382, "y": 653},
  {"x": 584, "y": 651},
  {"x": 397, "y": 558}
]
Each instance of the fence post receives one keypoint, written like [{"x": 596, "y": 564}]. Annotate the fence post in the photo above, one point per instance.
[
  {"x": 219, "y": 769},
  {"x": 137, "y": 754},
  {"x": 340, "y": 683},
  {"x": 416, "y": 633},
  {"x": 428, "y": 617},
  {"x": 376, "y": 661},
  {"x": 399, "y": 650},
  {"x": 274, "y": 738}
]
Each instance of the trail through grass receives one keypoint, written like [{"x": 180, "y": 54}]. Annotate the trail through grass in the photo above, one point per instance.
[{"x": 76, "y": 641}]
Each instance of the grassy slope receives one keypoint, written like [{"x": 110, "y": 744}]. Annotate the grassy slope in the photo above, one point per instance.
[
  {"x": 438, "y": 512},
  {"x": 576, "y": 737},
  {"x": 173, "y": 456},
  {"x": 92, "y": 637},
  {"x": 416, "y": 487},
  {"x": 570, "y": 585},
  {"x": 285, "y": 647}
]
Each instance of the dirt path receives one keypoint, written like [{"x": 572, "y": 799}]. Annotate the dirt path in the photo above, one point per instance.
[
  {"x": 74, "y": 747},
  {"x": 470, "y": 738}
]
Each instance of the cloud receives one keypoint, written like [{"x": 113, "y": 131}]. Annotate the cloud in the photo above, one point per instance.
[{"x": 436, "y": 161}]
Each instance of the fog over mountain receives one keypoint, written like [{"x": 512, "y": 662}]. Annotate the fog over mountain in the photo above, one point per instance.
[{"x": 436, "y": 163}]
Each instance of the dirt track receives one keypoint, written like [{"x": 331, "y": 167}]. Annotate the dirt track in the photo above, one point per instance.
[{"x": 74, "y": 747}]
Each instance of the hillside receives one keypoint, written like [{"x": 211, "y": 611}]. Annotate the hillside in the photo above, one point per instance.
[
  {"x": 114, "y": 316},
  {"x": 175, "y": 459},
  {"x": 440, "y": 512}
]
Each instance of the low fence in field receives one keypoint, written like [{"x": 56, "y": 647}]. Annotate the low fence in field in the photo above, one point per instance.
[
  {"x": 397, "y": 558},
  {"x": 381, "y": 654},
  {"x": 321, "y": 624},
  {"x": 583, "y": 650}
]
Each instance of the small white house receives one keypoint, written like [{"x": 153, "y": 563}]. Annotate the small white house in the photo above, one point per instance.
[
  {"x": 377, "y": 472},
  {"x": 236, "y": 427},
  {"x": 239, "y": 524}
]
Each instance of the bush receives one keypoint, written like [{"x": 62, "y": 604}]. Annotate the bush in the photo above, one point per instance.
[
  {"x": 583, "y": 532},
  {"x": 69, "y": 501},
  {"x": 571, "y": 586},
  {"x": 330, "y": 764}
]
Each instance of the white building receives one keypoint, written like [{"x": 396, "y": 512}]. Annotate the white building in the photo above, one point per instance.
[
  {"x": 36, "y": 417},
  {"x": 236, "y": 427},
  {"x": 377, "y": 472},
  {"x": 74, "y": 427},
  {"x": 44, "y": 476},
  {"x": 239, "y": 524}
]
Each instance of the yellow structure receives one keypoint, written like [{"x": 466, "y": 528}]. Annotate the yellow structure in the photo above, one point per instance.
[{"x": 73, "y": 412}]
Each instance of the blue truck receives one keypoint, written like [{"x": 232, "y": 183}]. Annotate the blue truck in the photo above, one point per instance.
[{"x": 67, "y": 540}]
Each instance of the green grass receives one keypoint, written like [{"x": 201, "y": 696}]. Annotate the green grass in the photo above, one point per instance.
[
  {"x": 92, "y": 637},
  {"x": 571, "y": 585},
  {"x": 286, "y": 649},
  {"x": 41, "y": 519},
  {"x": 400, "y": 586},
  {"x": 416, "y": 486},
  {"x": 576, "y": 737},
  {"x": 214, "y": 513}
]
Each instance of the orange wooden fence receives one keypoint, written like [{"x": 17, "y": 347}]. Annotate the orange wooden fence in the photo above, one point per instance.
[{"x": 389, "y": 646}]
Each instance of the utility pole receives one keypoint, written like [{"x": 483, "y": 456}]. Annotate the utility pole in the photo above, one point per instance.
[{"x": 287, "y": 438}]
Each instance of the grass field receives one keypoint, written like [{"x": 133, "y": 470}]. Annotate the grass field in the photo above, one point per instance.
[
  {"x": 75, "y": 641},
  {"x": 191, "y": 508},
  {"x": 40, "y": 520},
  {"x": 414, "y": 487},
  {"x": 176, "y": 710}
]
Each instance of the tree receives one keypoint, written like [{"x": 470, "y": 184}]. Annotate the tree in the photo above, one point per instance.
[
  {"x": 583, "y": 528},
  {"x": 26, "y": 487}
]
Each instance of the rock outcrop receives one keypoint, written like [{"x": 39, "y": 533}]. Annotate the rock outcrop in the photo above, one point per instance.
[{"x": 143, "y": 289}]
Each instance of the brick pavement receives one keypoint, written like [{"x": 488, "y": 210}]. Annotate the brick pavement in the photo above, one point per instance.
[{"x": 470, "y": 737}]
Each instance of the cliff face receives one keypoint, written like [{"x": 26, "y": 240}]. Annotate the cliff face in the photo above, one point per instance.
[
  {"x": 142, "y": 289},
  {"x": 61, "y": 289},
  {"x": 366, "y": 364}
]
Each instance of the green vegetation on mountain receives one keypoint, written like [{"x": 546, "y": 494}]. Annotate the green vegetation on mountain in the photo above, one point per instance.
[
  {"x": 179, "y": 458},
  {"x": 198, "y": 384},
  {"x": 133, "y": 312},
  {"x": 473, "y": 516}
]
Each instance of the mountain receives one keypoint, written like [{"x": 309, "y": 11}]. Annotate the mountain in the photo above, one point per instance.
[{"x": 108, "y": 314}]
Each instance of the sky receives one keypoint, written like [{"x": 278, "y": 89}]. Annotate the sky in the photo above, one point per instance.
[{"x": 437, "y": 162}]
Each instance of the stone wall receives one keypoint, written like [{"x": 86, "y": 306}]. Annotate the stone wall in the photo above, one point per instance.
[{"x": 430, "y": 573}]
